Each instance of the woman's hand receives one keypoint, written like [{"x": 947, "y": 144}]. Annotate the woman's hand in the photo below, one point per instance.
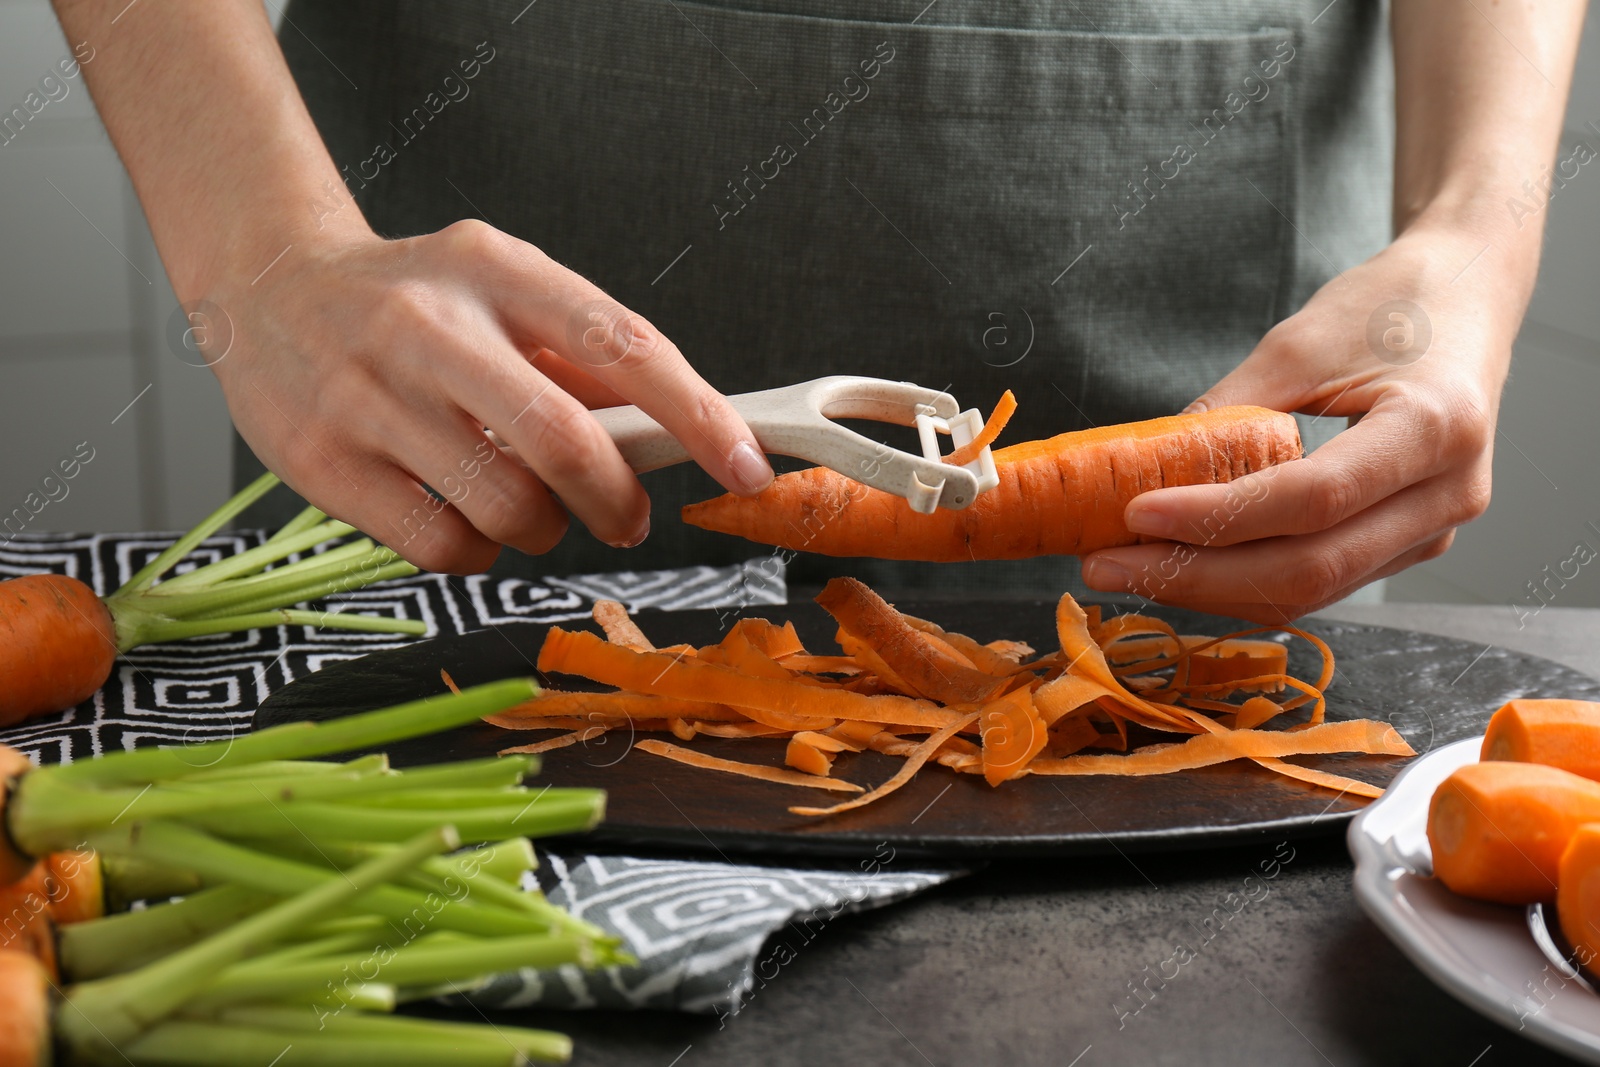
[
  {"x": 361, "y": 369},
  {"x": 1412, "y": 347}
]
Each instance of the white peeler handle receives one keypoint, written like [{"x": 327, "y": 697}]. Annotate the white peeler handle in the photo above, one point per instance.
[{"x": 797, "y": 421}]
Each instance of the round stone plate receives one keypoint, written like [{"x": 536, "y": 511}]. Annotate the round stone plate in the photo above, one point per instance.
[{"x": 1434, "y": 690}]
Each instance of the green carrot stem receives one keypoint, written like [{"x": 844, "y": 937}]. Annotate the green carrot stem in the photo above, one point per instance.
[
  {"x": 209, "y": 525},
  {"x": 505, "y": 860},
  {"x": 289, "y": 768},
  {"x": 251, "y": 559},
  {"x": 352, "y": 562},
  {"x": 111, "y": 1012},
  {"x": 303, "y": 521},
  {"x": 364, "y": 932},
  {"x": 162, "y": 631},
  {"x": 126, "y": 881},
  {"x": 447, "y": 875},
  {"x": 440, "y": 799},
  {"x": 415, "y": 964},
  {"x": 290, "y": 741},
  {"x": 196, "y": 1043},
  {"x": 180, "y": 846},
  {"x": 291, "y": 584},
  {"x": 541, "y": 1045},
  {"x": 564, "y": 811},
  {"x": 72, "y": 807},
  {"x": 356, "y": 577},
  {"x": 116, "y": 943}
]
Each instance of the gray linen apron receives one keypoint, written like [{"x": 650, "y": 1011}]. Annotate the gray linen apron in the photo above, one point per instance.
[{"x": 1100, "y": 204}]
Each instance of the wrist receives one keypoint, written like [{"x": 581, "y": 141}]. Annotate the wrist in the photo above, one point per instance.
[{"x": 261, "y": 235}]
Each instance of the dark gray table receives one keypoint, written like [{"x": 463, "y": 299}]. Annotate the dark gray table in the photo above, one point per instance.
[{"x": 1034, "y": 962}]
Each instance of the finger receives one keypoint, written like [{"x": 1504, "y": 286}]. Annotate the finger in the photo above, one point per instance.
[
  {"x": 1274, "y": 376},
  {"x": 394, "y": 510},
  {"x": 547, "y": 305},
  {"x": 576, "y": 382},
  {"x": 559, "y": 440},
  {"x": 1274, "y": 614},
  {"x": 1292, "y": 572},
  {"x": 1402, "y": 441},
  {"x": 502, "y": 499}
]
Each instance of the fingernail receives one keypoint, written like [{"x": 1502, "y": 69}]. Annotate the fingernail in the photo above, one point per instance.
[
  {"x": 1151, "y": 521},
  {"x": 1106, "y": 575},
  {"x": 1194, "y": 409},
  {"x": 637, "y": 538},
  {"x": 751, "y": 471}
]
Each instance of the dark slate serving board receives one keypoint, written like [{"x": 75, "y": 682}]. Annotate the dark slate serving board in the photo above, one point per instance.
[{"x": 1433, "y": 689}]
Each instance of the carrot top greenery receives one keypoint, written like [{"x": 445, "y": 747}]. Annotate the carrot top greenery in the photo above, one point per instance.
[{"x": 58, "y": 640}]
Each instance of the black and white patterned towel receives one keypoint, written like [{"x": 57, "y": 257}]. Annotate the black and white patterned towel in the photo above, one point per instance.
[{"x": 697, "y": 927}]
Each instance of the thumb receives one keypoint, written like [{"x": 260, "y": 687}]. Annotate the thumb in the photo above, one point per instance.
[{"x": 1270, "y": 377}]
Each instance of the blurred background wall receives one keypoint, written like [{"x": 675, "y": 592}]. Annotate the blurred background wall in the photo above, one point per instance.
[{"x": 91, "y": 362}]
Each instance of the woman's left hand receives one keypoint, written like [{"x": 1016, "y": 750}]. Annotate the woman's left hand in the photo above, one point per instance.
[{"x": 1412, "y": 347}]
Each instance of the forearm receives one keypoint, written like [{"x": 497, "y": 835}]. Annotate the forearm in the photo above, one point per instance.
[
  {"x": 1479, "y": 108},
  {"x": 207, "y": 119}
]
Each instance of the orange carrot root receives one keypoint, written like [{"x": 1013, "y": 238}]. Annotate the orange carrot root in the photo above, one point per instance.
[
  {"x": 1578, "y": 895},
  {"x": 1498, "y": 829},
  {"x": 1075, "y": 488},
  {"x": 1558, "y": 733},
  {"x": 57, "y": 644},
  {"x": 25, "y": 1022},
  {"x": 14, "y": 864}
]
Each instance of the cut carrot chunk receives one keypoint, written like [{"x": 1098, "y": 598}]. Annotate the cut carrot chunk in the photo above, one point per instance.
[
  {"x": 1559, "y": 733},
  {"x": 1498, "y": 829}
]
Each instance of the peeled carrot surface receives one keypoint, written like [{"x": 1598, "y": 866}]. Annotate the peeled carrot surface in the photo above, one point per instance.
[
  {"x": 1578, "y": 894},
  {"x": 1062, "y": 496},
  {"x": 1498, "y": 829},
  {"x": 907, "y": 688},
  {"x": 1558, "y": 733},
  {"x": 57, "y": 644}
]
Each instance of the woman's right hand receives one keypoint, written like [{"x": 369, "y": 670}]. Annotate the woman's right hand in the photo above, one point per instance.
[{"x": 360, "y": 369}]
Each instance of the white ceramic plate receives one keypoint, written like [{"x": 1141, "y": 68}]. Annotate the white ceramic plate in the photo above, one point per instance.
[{"x": 1485, "y": 955}]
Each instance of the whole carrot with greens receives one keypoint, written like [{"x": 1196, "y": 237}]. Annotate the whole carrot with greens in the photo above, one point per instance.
[
  {"x": 1061, "y": 496},
  {"x": 58, "y": 640}
]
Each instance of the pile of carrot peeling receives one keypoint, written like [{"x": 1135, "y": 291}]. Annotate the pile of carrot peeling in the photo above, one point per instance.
[{"x": 905, "y": 687}]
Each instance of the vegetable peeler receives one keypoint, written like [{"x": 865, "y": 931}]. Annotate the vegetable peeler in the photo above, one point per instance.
[{"x": 797, "y": 420}]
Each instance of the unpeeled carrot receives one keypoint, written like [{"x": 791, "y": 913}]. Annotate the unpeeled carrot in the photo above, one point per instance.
[
  {"x": 1061, "y": 496},
  {"x": 57, "y": 644},
  {"x": 1558, "y": 733},
  {"x": 1498, "y": 829},
  {"x": 58, "y": 640},
  {"x": 1578, "y": 894},
  {"x": 25, "y": 987}
]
